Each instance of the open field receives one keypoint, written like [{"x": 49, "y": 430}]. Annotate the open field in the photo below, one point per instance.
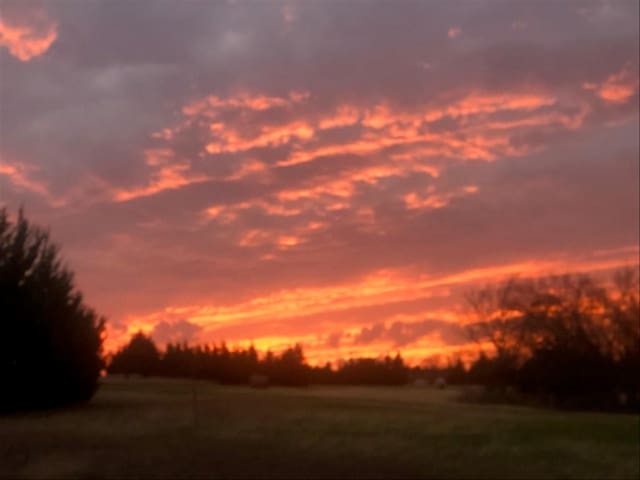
[{"x": 145, "y": 428}]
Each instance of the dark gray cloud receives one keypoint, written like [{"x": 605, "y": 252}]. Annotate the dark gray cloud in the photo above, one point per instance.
[
  {"x": 175, "y": 332},
  {"x": 401, "y": 334}
]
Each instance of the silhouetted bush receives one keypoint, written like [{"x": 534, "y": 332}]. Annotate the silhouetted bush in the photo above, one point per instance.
[{"x": 51, "y": 342}]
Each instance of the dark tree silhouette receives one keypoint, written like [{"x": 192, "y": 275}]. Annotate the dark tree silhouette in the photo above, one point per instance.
[
  {"x": 289, "y": 368},
  {"x": 51, "y": 342},
  {"x": 371, "y": 371},
  {"x": 570, "y": 337},
  {"x": 140, "y": 356}
]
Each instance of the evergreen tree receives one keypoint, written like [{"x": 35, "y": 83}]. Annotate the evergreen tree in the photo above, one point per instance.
[
  {"x": 139, "y": 356},
  {"x": 51, "y": 343}
]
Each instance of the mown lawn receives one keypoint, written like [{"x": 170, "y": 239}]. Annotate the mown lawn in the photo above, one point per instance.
[{"x": 154, "y": 428}]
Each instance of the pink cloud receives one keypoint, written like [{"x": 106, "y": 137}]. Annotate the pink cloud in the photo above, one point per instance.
[
  {"x": 27, "y": 35},
  {"x": 618, "y": 87},
  {"x": 454, "y": 32}
]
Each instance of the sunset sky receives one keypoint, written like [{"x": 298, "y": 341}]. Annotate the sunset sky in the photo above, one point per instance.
[{"x": 332, "y": 173}]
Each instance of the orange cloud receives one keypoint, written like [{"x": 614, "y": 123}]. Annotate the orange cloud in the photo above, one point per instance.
[
  {"x": 254, "y": 237},
  {"x": 431, "y": 200},
  {"x": 229, "y": 140},
  {"x": 618, "y": 87},
  {"x": 454, "y": 32},
  {"x": 19, "y": 176},
  {"x": 342, "y": 188},
  {"x": 250, "y": 167},
  {"x": 167, "y": 178},
  {"x": 568, "y": 121},
  {"x": 286, "y": 241},
  {"x": 23, "y": 177},
  {"x": 27, "y": 40},
  {"x": 345, "y": 115},
  {"x": 482, "y": 103},
  {"x": 229, "y": 213},
  {"x": 211, "y": 105},
  {"x": 386, "y": 133},
  {"x": 393, "y": 142},
  {"x": 168, "y": 175},
  {"x": 404, "y": 134},
  {"x": 389, "y": 128}
]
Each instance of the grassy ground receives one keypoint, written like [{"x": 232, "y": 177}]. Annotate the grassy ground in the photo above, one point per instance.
[{"x": 153, "y": 428}]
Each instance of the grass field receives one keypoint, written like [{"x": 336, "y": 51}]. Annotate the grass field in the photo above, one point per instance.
[{"x": 153, "y": 428}]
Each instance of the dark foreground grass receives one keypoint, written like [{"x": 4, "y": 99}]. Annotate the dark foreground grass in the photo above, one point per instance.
[{"x": 153, "y": 428}]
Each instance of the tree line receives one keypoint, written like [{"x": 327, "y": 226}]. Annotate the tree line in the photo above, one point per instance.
[
  {"x": 236, "y": 366},
  {"x": 571, "y": 339}
]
